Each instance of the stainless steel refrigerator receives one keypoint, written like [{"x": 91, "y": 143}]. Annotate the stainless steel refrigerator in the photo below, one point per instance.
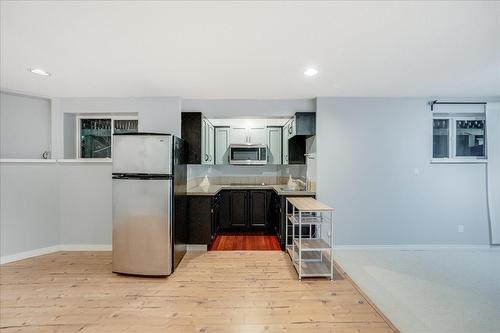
[{"x": 149, "y": 203}]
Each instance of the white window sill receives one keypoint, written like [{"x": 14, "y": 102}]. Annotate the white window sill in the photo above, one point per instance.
[
  {"x": 86, "y": 160},
  {"x": 458, "y": 161}
]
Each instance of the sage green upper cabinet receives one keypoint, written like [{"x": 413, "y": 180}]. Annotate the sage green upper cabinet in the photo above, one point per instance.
[
  {"x": 242, "y": 135},
  {"x": 274, "y": 138},
  {"x": 257, "y": 135},
  {"x": 222, "y": 140},
  {"x": 286, "y": 128},
  {"x": 239, "y": 135},
  {"x": 207, "y": 142}
]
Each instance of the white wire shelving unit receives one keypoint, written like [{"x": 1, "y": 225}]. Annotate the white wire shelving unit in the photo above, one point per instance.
[{"x": 309, "y": 237}]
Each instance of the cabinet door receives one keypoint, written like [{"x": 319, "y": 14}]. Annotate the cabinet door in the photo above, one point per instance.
[
  {"x": 205, "y": 159},
  {"x": 225, "y": 210},
  {"x": 199, "y": 219},
  {"x": 292, "y": 128},
  {"x": 285, "y": 144},
  {"x": 221, "y": 145},
  {"x": 258, "y": 211},
  {"x": 257, "y": 135},
  {"x": 239, "y": 208},
  {"x": 214, "y": 221},
  {"x": 239, "y": 135},
  {"x": 211, "y": 143},
  {"x": 274, "y": 138}
]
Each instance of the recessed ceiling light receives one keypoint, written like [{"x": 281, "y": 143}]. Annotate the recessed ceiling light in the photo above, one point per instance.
[
  {"x": 39, "y": 71},
  {"x": 310, "y": 71}
]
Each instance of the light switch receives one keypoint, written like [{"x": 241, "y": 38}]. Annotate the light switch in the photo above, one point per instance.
[
  {"x": 416, "y": 171},
  {"x": 460, "y": 228}
]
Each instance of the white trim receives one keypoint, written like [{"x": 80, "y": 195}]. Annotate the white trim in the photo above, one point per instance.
[
  {"x": 111, "y": 117},
  {"x": 196, "y": 247},
  {"x": 26, "y": 160},
  {"x": 417, "y": 247},
  {"x": 85, "y": 247},
  {"x": 28, "y": 254},
  {"x": 85, "y": 160},
  {"x": 452, "y": 139},
  {"x": 51, "y": 249},
  {"x": 459, "y": 160}
]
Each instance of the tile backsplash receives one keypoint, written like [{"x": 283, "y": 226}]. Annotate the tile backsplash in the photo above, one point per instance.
[{"x": 230, "y": 174}]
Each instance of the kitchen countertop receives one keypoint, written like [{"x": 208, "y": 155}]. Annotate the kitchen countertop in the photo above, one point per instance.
[{"x": 214, "y": 189}]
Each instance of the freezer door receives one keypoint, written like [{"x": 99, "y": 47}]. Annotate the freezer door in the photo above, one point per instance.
[
  {"x": 149, "y": 154},
  {"x": 142, "y": 226}
]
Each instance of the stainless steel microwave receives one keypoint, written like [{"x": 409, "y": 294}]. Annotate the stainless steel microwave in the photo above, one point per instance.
[{"x": 248, "y": 154}]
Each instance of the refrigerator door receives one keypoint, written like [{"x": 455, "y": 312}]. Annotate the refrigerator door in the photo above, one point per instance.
[
  {"x": 142, "y": 226},
  {"x": 142, "y": 153}
]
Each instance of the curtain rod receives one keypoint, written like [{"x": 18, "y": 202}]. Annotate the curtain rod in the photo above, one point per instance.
[{"x": 432, "y": 103}]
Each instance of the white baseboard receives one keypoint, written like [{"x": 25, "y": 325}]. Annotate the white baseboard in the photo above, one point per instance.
[
  {"x": 416, "y": 247},
  {"x": 85, "y": 247},
  {"x": 52, "y": 249},
  {"x": 28, "y": 254},
  {"x": 196, "y": 247}
]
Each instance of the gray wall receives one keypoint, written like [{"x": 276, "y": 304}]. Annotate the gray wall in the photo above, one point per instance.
[
  {"x": 29, "y": 207},
  {"x": 85, "y": 203},
  {"x": 24, "y": 126},
  {"x": 374, "y": 169},
  {"x": 266, "y": 108},
  {"x": 69, "y": 123}
]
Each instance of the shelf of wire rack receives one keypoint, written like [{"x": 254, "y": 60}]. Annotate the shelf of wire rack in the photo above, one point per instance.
[{"x": 309, "y": 237}]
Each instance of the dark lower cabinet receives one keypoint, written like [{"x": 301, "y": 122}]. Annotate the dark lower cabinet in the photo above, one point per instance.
[
  {"x": 245, "y": 210},
  {"x": 225, "y": 210},
  {"x": 239, "y": 208},
  {"x": 258, "y": 209},
  {"x": 203, "y": 218}
]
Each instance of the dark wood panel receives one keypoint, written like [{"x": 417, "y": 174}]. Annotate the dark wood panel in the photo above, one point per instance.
[
  {"x": 297, "y": 149},
  {"x": 225, "y": 210},
  {"x": 200, "y": 219},
  {"x": 191, "y": 133}
]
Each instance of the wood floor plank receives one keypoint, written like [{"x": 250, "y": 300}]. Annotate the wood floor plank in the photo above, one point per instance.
[
  {"x": 214, "y": 291},
  {"x": 245, "y": 242}
]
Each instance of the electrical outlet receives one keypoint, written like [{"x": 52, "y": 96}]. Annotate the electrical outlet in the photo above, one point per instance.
[{"x": 461, "y": 228}]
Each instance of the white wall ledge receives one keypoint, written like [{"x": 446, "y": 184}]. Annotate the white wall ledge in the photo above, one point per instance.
[
  {"x": 63, "y": 161},
  {"x": 86, "y": 160},
  {"x": 26, "y": 160}
]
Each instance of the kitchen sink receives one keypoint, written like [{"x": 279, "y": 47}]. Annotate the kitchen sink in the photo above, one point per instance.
[{"x": 287, "y": 189}]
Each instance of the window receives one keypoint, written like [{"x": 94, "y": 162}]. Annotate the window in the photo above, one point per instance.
[
  {"x": 95, "y": 134},
  {"x": 458, "y": 138}
]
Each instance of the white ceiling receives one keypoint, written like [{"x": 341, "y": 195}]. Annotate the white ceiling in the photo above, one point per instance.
[{"x": 251, "y": 50}]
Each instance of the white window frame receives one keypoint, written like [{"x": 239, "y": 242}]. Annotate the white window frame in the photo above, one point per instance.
[
  {"x": 452, "y": 144},
  {"x": 98, "y": 116}
]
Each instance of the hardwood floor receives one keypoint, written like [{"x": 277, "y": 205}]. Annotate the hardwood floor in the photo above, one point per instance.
[
  {"x": 246, "y": 242},
  {"x": 215, "y": 291}
]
